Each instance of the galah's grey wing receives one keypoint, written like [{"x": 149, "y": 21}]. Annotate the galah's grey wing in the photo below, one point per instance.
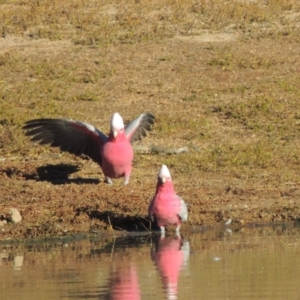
[
  {"x": 137, "y": 129},
  {"x": 183, "y": 213},
  {"x": 70, "y": 136}
]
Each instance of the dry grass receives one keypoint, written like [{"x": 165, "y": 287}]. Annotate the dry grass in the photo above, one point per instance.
[{"x": 219, "y": 75}]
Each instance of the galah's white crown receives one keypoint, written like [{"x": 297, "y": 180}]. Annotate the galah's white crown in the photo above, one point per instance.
[
  {"x": 164, "y": 172},
  {"x": 116, "y": 122}
]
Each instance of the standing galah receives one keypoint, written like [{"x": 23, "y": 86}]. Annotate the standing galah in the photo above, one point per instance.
[
  {"x": 166, "y": 207},
  {"x": 113, "y": 153}
]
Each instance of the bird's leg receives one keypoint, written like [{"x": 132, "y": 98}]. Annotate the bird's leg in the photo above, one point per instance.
[
  {"x": 177, "y": 231},
  {"x": 108, "y": 180},
  {"x": 162, "y": 232},
  {"x": 127, "y": 177}
]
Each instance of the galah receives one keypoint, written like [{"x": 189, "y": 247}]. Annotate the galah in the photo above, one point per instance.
[
  {"x": 166, "y": 207},
  {"x": 113, "y": 153}
]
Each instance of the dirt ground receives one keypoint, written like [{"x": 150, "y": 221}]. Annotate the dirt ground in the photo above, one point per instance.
[
  {"x": 230, "y": 96},
  {"x": 62, "y": 196}
]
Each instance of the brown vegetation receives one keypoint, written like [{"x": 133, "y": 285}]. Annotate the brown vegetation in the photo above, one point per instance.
[{"x": 221, "y": 77}]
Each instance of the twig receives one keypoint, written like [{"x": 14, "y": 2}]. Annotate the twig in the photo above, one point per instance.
[
  {"x": 143, "y": 217},
  {"x": 160, "y": 150},
  {"x": 110, "y": 225},
  {"x": 120, "y": 228},
  {"x": 113, "y": 249},
  {"x": 195, "y": 148},
  {"x": 145, "y": 227},
  {"x": 192, "y": 224}
]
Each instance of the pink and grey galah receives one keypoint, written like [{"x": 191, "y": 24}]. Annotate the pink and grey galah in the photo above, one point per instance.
[
  {"x": 167, "y": 208},
  {"x": 114, "y": 153}
]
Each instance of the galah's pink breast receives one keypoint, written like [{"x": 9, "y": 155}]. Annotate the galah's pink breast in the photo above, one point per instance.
[
  {"x": 117, "y": 158},
  {"x": 166, "y": 208}
]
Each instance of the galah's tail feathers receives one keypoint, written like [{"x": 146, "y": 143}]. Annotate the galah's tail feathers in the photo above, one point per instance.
[{"x": 183, "y": 213}]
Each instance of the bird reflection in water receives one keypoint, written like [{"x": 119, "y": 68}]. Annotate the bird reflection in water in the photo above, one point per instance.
[
  {"x": 170, "y": 255},
  {"x": 124, "y": 284}
]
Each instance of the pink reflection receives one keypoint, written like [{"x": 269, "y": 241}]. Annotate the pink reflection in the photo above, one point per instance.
[
  {"x": 125, "y": 285},
  {"x": 170, "y": 255}
]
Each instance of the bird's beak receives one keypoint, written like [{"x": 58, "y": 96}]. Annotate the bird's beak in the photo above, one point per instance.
[
  {"x": 163, "y": 180},
  {"x": 115, "y": 133}
]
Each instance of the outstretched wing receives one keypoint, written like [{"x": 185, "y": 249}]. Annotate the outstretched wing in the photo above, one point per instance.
[
  {"x": 138, "y": 128},
  {"x": 183, "y": 213},
  {"x": 70, "y": 136}
]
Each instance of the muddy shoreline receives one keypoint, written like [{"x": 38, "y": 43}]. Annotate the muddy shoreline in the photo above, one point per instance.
[{"x": 68, "y": 199}]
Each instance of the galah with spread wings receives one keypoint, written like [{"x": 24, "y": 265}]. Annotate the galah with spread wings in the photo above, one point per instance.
[
  {"x": 167, "y": 208},
  {"x": 113, "y": 153}
]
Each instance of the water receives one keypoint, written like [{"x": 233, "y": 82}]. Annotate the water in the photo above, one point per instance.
[{"x": 257, "y": 263}]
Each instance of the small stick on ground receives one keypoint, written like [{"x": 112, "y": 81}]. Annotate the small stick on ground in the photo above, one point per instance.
[
  {"x": 110, "y": 225},
  {"x": 192, "y": 224},
  {"x": 146, "y": 227},
  {"x": 160, "y": 150},
  {"x": 120, "y": 228}
]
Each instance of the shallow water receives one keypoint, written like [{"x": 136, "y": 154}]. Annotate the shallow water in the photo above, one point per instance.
[{"x": 257, "y": 263}]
